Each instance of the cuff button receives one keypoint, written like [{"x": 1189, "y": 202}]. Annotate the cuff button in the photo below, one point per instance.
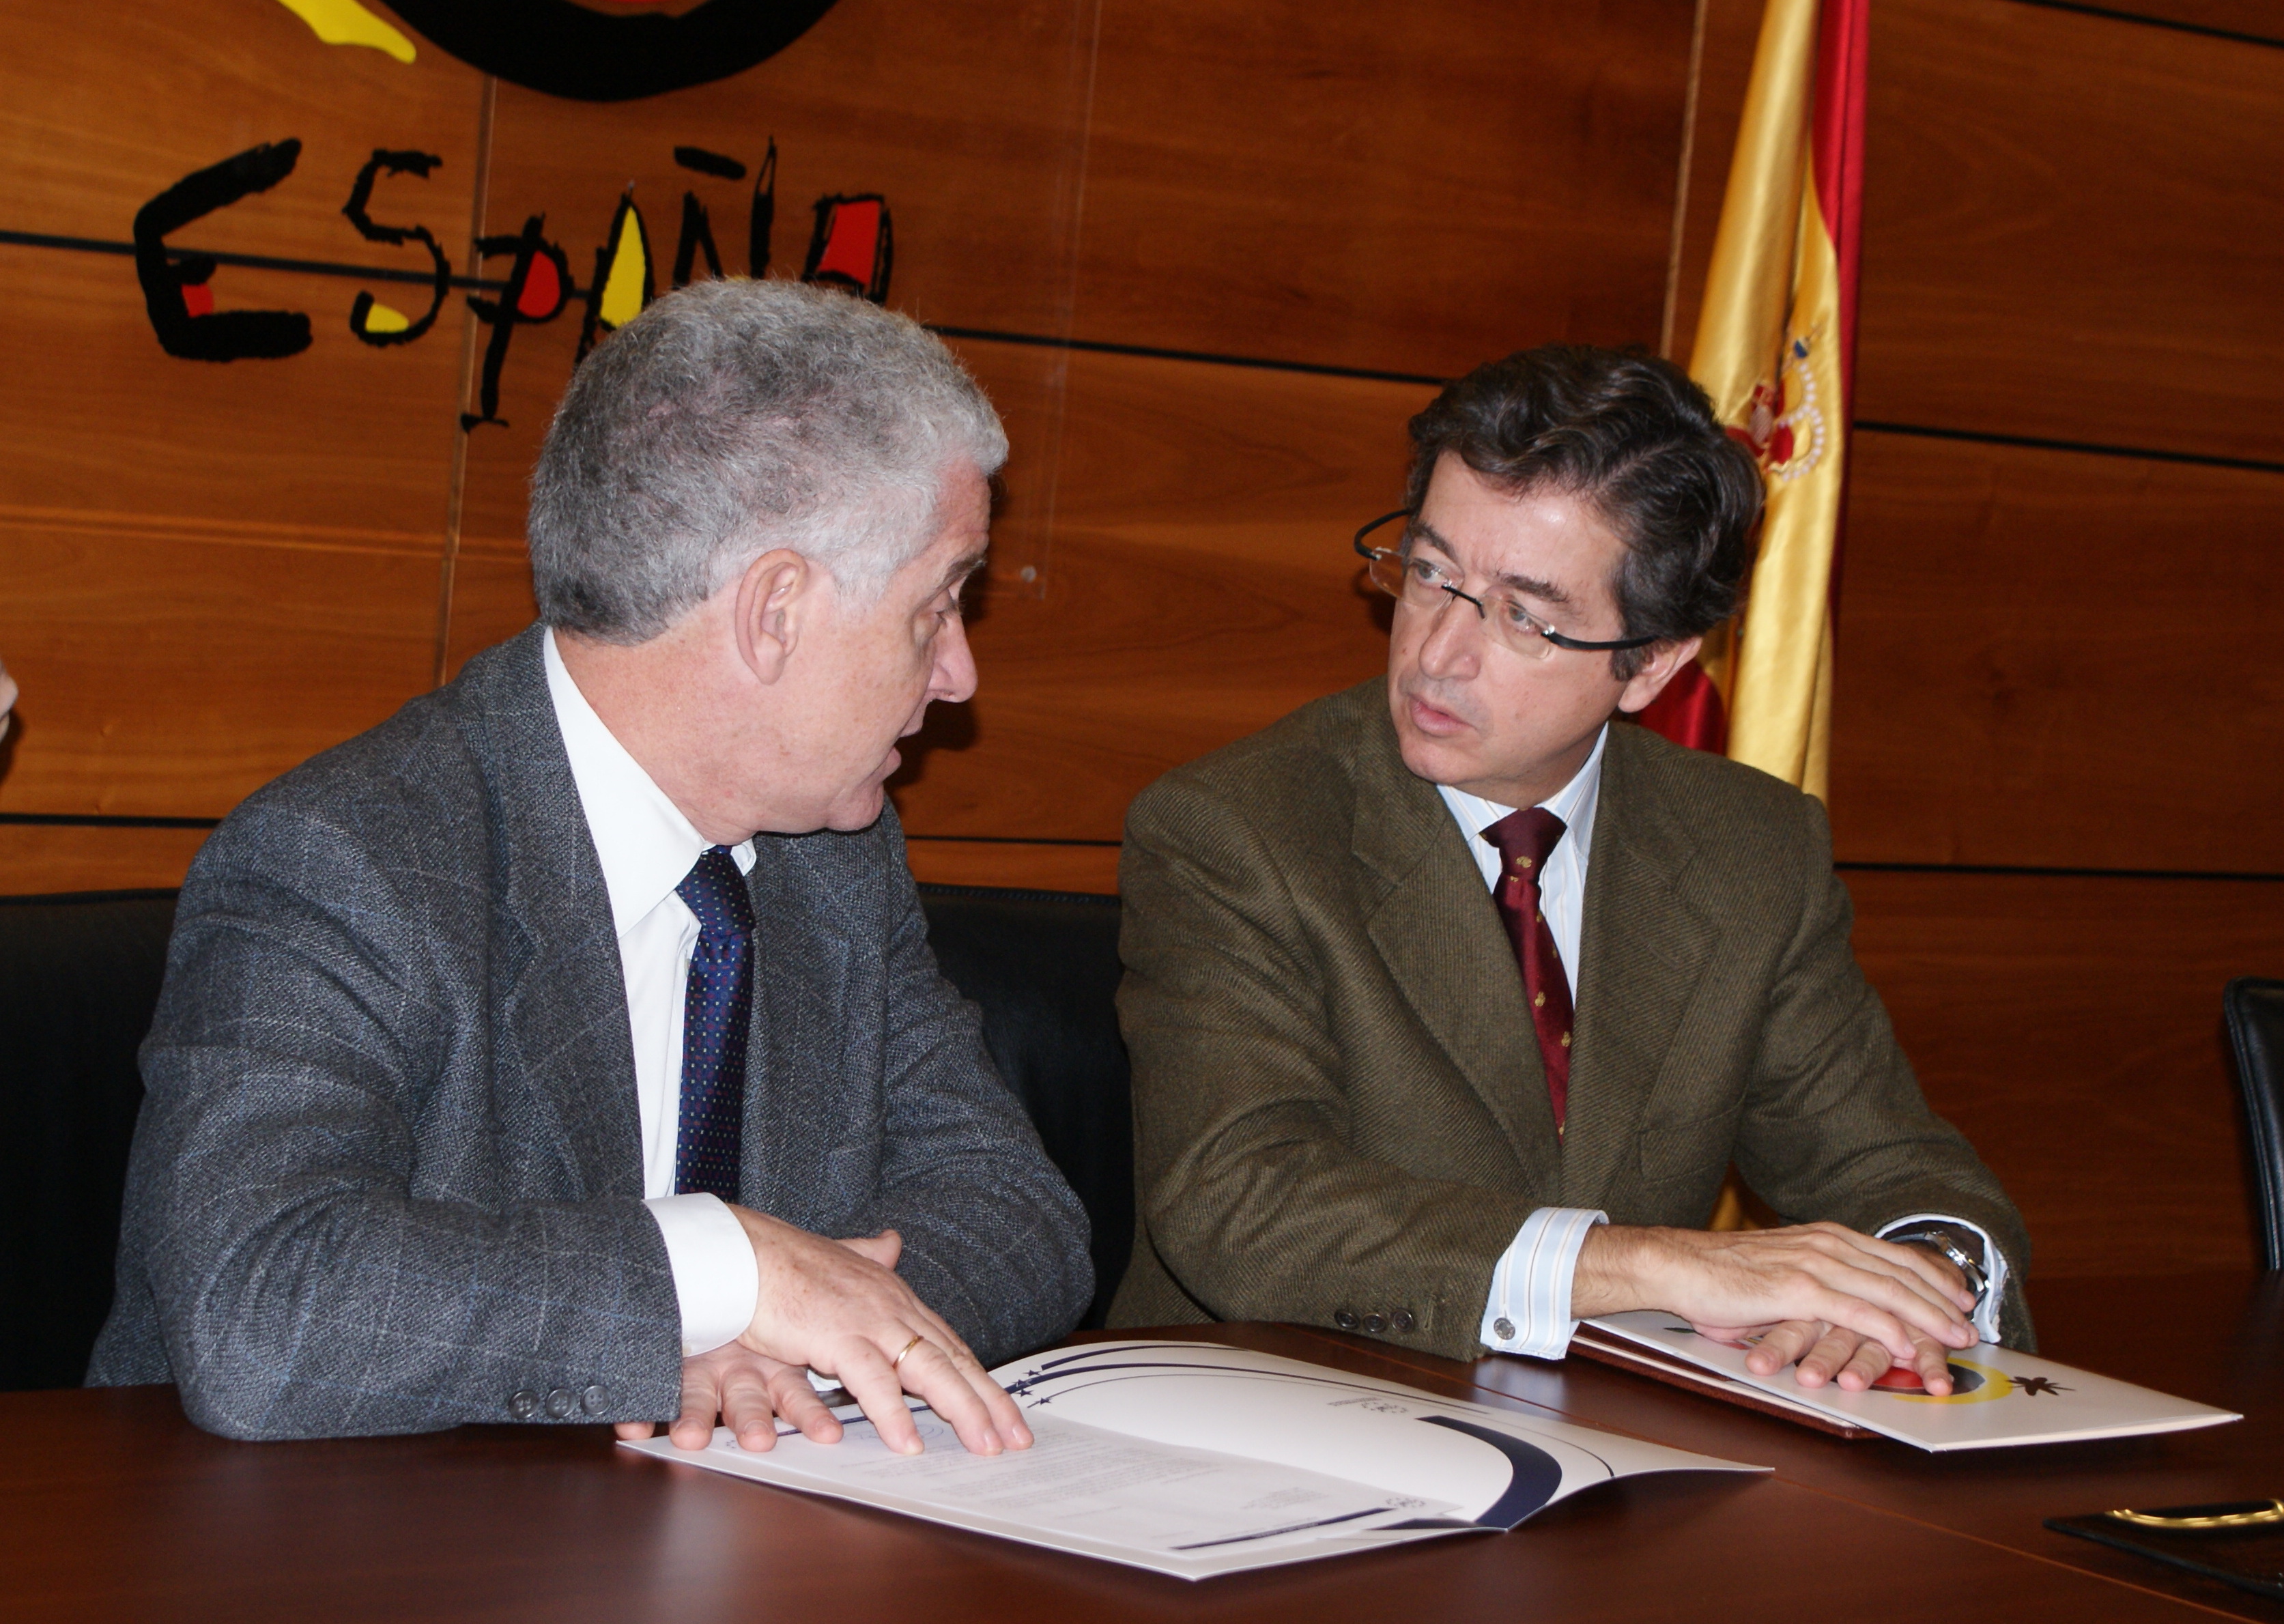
[
  {"x": 558, "y": 1403},
  {"x": 595, "y": 1399},
  {"x": 1503, "y": 1328},
  {"x": 524, "y": 1405},
  {"x": 1345, "y": 1320},
  {"x": 1402, "y": 1319},
  {"x": 1375, "y": 1323}
]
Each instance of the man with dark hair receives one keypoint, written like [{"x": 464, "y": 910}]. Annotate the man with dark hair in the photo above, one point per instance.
[
  {"x": 1451, "y": 998},
  {"x": 569, "y": 1047}
]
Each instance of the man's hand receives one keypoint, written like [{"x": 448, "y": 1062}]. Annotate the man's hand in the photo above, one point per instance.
[
  {"x": 839, "y": 1307},
  {"x": 747, "y": 1393},
  {"x": 1844, "y": 1305}
]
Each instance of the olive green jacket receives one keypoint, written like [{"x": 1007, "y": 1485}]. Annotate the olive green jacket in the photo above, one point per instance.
[{"x": 1339, "y": 1105}]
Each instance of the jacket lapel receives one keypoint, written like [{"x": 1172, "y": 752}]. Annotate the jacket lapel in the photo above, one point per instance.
[
  {"x": 563, "y": 999},
  {"x": 1436, "y": 928},
  {"x": 1642, "y": 952},
  {"x": 801, "y": 974}
]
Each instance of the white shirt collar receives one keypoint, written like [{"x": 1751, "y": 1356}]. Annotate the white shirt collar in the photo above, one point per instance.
[
  {"x": 1574, "y": 803},
  {"x": 647, "y": 845}
]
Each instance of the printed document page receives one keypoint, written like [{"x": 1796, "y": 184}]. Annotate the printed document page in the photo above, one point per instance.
[
  {"x": 1193, "y": 1459},
  {"x": 1998, "y": 1396}
]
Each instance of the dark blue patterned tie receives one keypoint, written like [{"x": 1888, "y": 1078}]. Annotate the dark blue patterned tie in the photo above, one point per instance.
[{"x": 715, "y": 1011}]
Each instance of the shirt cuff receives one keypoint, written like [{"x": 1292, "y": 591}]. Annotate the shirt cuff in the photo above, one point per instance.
[
  {"x": 715, "y": 1279},
  {"x": 1528, "y": 1311},
  {"x": 1985, "y": 1317}
]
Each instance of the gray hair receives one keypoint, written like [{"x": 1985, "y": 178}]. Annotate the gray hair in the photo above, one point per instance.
[{"x": 733, "y": 416}]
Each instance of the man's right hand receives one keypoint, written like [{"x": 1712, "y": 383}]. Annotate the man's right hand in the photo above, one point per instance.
[
  {"x": 1806, "y": 1275},
  {"x": 839, "y": 1307}
]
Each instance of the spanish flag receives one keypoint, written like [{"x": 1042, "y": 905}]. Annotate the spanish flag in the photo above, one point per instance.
[{"x": 1776, "y": 351}]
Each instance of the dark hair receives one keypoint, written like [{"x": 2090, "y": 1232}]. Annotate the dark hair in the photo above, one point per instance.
[{"x": 1634, "y": 437}]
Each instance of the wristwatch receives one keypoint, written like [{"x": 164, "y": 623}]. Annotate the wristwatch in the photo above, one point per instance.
[{"x": 1954, "y": 1243}]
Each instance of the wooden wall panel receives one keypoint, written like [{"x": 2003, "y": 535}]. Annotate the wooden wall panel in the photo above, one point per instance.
[
  {"x": 170, "y": 667},
  {"x": 2255, "y": 19},
  {"x": 39, "y": 860},
  {"x": 1415, "y": 189},
  {"x": 2071, "y": 1028},
  {"x": 2074, "y": 229},
  {"x": 2053, "y": 659},
  {"x": 1021, "y": 865},
  {"x": 214, "y": 569},
  {"x": 1201, "y": 586}
]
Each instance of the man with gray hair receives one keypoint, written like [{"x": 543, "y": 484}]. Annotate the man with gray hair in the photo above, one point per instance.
[{"x": 569, "y": 1047}]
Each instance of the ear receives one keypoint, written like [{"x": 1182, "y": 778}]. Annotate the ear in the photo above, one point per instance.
[
  {"x": 773, "y": 598},
  {"x": 1665, "y": 662}
]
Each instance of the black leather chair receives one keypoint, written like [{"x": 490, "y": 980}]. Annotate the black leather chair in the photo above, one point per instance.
[
  {"x": 80, "y": 974},
  {"x": 2255, "y": 1012}
]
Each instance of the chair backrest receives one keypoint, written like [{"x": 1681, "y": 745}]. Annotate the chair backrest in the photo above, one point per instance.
[
  {"x": 2255, "y": 1012},
  {"x": 79, "y": 979},
  {"x": 1043, "y": 966},
  {"x": 79, "y": 976}
]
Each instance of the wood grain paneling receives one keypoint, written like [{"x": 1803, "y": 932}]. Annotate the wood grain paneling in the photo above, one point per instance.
[
  {"x": 1016, "y": 865},
  {"x": 1415, "y": 189},
  {"x": 2258, "y": 17},
  {"x": 2071, "y": 1028},
  {"x": 170, "y": 666},
  {"x": 2059, "y": 660},
  {"x": 39, "y": 860},
  {"x": 2074, "y": 230},
  {"x": 1199, "y": 585}
]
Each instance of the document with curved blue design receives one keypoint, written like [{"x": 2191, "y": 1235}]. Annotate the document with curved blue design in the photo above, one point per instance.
[{"x": 1193, "y": 1459}]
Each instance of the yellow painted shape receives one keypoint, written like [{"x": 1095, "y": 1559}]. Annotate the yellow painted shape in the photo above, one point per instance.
[
  {"x": 345, "y": 22},
  {"x": 381, "y": 318},
  {"x": 622, "y": 289}
]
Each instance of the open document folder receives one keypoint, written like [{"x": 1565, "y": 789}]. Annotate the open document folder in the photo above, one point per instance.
[
  {"x": 1998, "y": 1396},
  {"x": 1193, "y": 1459}
]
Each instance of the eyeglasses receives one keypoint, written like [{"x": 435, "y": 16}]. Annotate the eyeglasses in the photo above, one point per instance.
[{"x": 1423, "y": 583}]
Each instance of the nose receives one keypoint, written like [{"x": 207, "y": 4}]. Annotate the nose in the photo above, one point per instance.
[
  {"x": 1454, "y": 640},
  {"x": 953, "y": 679}
]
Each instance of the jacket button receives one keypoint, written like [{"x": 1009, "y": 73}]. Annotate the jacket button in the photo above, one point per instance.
[
  {"x": 558, "y": 1403},
  {"x": 1402, "y": 1319},
  {"x": 595, "y": 1399},
  {"x": 1345, "y": 1320},
  {"x": 1376, "y": 1323},
  {"x": 1504, "y": 1330},
  {"x": 524, "y": 1405}
]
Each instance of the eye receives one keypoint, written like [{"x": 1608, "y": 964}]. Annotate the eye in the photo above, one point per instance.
[
  {"x": 1515, "y": 616},
  {"x": 1427, "y": 571}
]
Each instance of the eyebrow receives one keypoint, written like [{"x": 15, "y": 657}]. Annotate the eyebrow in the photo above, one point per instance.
[
  {"x": 1530, "y": 586},
  {"x": 962, "y": 569}
]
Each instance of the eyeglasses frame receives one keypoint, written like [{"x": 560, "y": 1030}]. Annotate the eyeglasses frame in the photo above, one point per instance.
[{"x": 1585, "y": 645}]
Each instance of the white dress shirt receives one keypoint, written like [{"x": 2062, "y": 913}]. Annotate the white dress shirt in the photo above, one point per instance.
[
  {"x": 1528, "y": 1310},
  {"x": 647, "y": 848}
]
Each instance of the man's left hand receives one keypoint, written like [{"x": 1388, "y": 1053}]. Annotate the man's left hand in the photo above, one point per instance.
[{"x": 748, "y": 1392}]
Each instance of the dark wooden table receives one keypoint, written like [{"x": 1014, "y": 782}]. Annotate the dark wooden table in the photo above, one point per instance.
[{"x": 112, "y": 1506}]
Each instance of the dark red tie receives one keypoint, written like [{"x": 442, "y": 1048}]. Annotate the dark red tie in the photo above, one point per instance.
[{"x": 1525, "y": 840}]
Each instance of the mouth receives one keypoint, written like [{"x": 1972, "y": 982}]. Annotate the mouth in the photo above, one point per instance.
[{"x": 1433, "y": 720}]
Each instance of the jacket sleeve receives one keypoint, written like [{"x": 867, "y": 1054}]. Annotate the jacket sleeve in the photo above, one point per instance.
[
  {"x": 1835, "y": 1125},
  {"x": 302, "y": 1277},
  {"x": 1249, "y": 1189},
  {"x": 993, "y": 1239}
]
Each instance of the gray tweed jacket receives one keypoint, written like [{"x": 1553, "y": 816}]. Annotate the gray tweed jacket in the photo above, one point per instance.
[{"x": 388, "y": 1173}]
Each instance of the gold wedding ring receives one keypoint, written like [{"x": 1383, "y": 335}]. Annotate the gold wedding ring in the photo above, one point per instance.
[{"x": 907, "y": 1348}]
